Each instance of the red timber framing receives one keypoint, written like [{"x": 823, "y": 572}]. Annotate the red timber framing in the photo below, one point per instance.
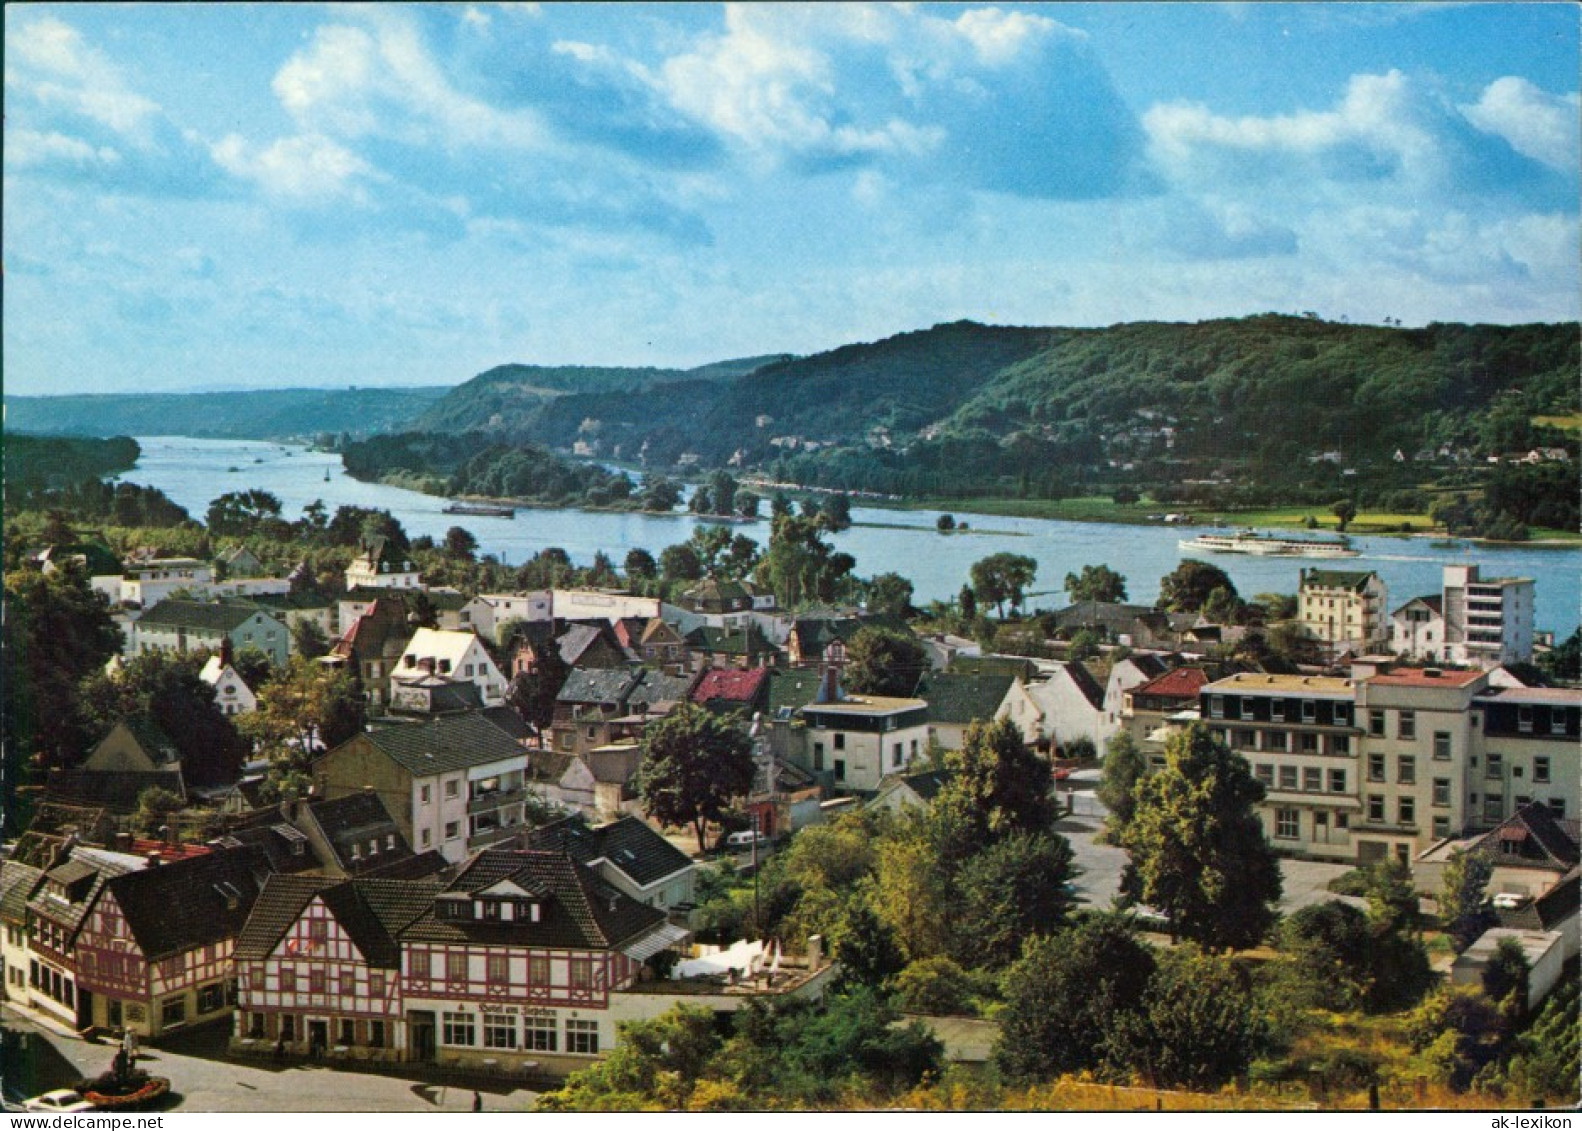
[{"x": 539, "y": 976}]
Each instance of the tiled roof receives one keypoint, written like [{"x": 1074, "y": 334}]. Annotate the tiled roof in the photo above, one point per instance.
[
  {"x": 598, "y": 685},
  {"x": 628, "y": 844},
  {"x": 582, "y": 911},
  {"x": 418, "y": 867},
  {"x": 730, "y": 686},
  {"x": 297, "y": 599},
  {"x": 1551, "y": 910},
  {"x": 356, "y": 819},
  {"x": 17, "y": 883},
  {"x": 213, "y": 616},
  {"x": 194, "y": 902},
  {"x": 116, "y": 790},
  {"x": 657, "y": 687},
  {"x": 577, "y": 640},
  {"x": 958, "y": 698},
  {"x": 507, "y": 719},
  {"x": 277, "y": 907},
  {"x": 1544, "y": 840},
  {"x": 105, "y": 868},
  {"x": 442, "y": 744},
  {"x": 1353, "y": 579},
  {"x": 1182, "y": 683},
  {"x": 791, "y": 688},
  {"x": 729, "y": 641}
]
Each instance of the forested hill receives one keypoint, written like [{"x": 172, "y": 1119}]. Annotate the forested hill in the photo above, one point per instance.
[
  {"x": 508, "y": 398},
  {"x": 255, "y": 414},
  {"x": 1267, "y": 387},
  {"x": 37, "y": 462}
]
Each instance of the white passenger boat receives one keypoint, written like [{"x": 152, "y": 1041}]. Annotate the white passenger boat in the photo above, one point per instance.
[{"x": 1270, "y": 545}]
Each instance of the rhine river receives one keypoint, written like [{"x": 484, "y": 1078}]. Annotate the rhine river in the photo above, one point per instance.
[{"x": 193, "y": 472}]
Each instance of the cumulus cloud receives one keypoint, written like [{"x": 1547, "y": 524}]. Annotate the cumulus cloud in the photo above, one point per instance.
[
  {"x": 310, "y": 167},
  {"x": 49, "y": 62},
  {"x": 1537, "y": 124}
]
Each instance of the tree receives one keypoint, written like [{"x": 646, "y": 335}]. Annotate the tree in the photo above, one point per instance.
[
  {"x": 866, "y": 948},
  {"x": 835, "y": 514},
  {"x": 167, "y": 689},
  {"x": 533, "y": 693},
  {"x": 747, "y": 504},
  {"x": 909, "y": 891},
  {"x": 695, "y": 764},
  {"x": 1012, "y": 891},
  {"x": 1564, "y": 661},
  {"x": 945, "y": 523},
  {"x": 309, "y": 638},
  {"x": 660, "y": 494},
  {"x": 460, "y": 544},
  {"x": 306, "y": 708},
  {"x": 680, "y": 563},
  {"x": 655, "y": 1066},
  {"x": 1083, "y": 646},
  {"x": 1332, "y": 945},
  {"x": 891, "y": 595},
  {"x": 935, "y": 986},
  {"x": 1505, "y": 977},
  {"x": 800, "y": 566},
  {"x": 998, "y": 787},
  {"x": 1124, "y": 766},
  {"x": 1344, "y": 511},
  {"x": 1463, "y": 897},
  {"x": 1187, "y": 588},
  {"x": 701, "y": 502},
  {"x": 1002, "y": 578},
  {"x": 968, "y": 600},
  {"x": 640, "y": 565},
  {"x": 155, "y": 806},
  {"x": 1197, "y": 847},
  {"x": 1200, "y": 1027},
  {"x": 1096, "y": 583},
  {"x": 882, "y": 661},
  {"x": 1065, "y": 996},
  {"x": 242, "y": 513},
  {"x": 722, "y": 492}
]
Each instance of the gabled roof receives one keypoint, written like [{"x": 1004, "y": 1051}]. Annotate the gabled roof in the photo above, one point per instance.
[
  {"x": 279, "y": 904},
  {"x": 193, "y": 902},
  {"x": 1083, "y": 681},
  {"x": 1019, "y": 666},
  {"x": 443, "y": 644},
  {"x": 1551, "y": 910},
  {"x": 356, "y": 819},
  {"x": 509, "y": 721},
  {"x": 152, "y": 739},
  {"x": 442, "y": 744},
  {"x": 1543, "y": 840},
  {"x": 628, "y": 844},
  {"x": 1355, "y": 580},
  {"x": 581, "y": 912},
  {"x": 791, "y": 689},
  {"x": 729, "y": 641},
  {"x": 926, "y": 784},
  {"x": 1435, "y": 602},
  {"x": 654, "y": 687},
  {"x": 116, "y": 790},
  {"x": 598, "y": 685},
  {"x": 104, "y": 868},
  {"x": 17, "y": 884},
  {"x": 1182, "y": 683},
  {"x": 729, "y": 686},
  {"x": 956, "y": 698},
  {"x": 212, "y": 616},
  {"x": 579, "y": 639}
]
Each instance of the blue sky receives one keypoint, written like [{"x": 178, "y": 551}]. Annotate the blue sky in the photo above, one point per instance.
[{"x": 202, "y": 195}]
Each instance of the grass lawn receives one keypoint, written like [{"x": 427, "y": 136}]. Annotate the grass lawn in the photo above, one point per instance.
[{"x": 1571, "y": 422}]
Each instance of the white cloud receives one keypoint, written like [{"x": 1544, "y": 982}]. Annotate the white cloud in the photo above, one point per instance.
[
  {"x": 309, "y": 167},
  {"x": 1000, "y": 37},
  {"x": 1537, "y": 124},
  {"x": 32, "y": 147},
  {"x": 48, "y": 61}
]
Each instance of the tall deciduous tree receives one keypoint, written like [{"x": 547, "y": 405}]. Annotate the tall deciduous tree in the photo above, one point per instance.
[
  {"x": 882, "y": 661},
  {"x": 1002, "y": 579},
  {"x": 1014, "y": 890},
  {"x": 1198, "y": 851},
  {"x": 306, "y": 708},
  {"x": 890, "y": 594},
  {"x": 1124, "y": 767},
  {"x": 1096, "y": 583},
  {"x": 1463, "y": 896},
  {"x": 998, "y": 787},
  {"x": 1187, "y": 588},
  {"x": 1200, "y": 1027},
  {"x": 695, "y": 764}
]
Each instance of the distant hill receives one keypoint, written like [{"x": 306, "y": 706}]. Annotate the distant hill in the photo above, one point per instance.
[
  {"x": 509, "y": 398},
  {"x": 270, "y": 414}
]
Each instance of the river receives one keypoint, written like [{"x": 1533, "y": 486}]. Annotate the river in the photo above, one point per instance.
[{"x": 194, "y": 472}]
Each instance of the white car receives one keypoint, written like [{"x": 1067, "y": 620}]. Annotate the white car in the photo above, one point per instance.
[{"x": 61, "y": 1099}]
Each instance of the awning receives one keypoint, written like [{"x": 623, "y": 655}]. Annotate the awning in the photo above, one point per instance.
[{"x": 663, "y": 937}]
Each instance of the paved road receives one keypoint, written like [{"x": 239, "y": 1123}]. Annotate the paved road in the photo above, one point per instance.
[{"x": 205, "y": 1084}]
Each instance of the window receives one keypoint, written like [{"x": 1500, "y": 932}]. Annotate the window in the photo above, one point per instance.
[
  {"x": 896, "y": 757},
  {"x": 288, "y": 980},
  {"x": 1276, "y": 740},
  {"x": 456, "y": 967},
  {"x": 452, "y": 787},
  {"x": 1265, "y": 773},
  {"x": 1343, "y": 820},
  {"x": 1277, "y": 710},
  {"x": 1246, "y": 708},
  {"x": 1375, "y": 807},
  {"x": 840, "y": 741},
  {"x": 173, "y": 1011},
  {"x": 1406, "y": 769},
  {"x": 1407, "y": 810},
  {"x": 458, "y": 1029},
  {"x": 318, "y": 980},
  {"x": 1375, "y": 767},
  {"x": 538, "y": 1034},
  {"x": 1340, "y": 744},
  {"x": 818, "y": 757},
  {"x": 452, "y": 830},
  {"x": 499, "y": 1031},
  {"x": 211, "y": 997},
  {"x": 1557, "y": 721},
  {"x": 1287, "y": 824},
  {"x": 581, "y": 973},
  {"x": 1406, "y": 724},
  {"x": 1541, "y": 768},
  {"x": 1337, "y": 781},
  {"x": 425, "y": 794},
  {"x": 1376, "y": 723},
  {"x": 376, "y": 983},
  {"x": 1557, "y": 806},
  {"x": 376, "y": 1034},
  {"x": 582, "y": 1037},
  {"x": 1287, "y": 777},
  {"x": 538, "y": 970},
  {"x": 1496, "y": 767},
  {"x": 1312, "y": 779},
  {"x": 427, "y": 838},
  {"x": 1493, "y": 807},
  {"x": 318, "y": 931},
  {"x": 1216, "y": 706},
  {"x": 348, "y": 1032},
  {"x": 1442, "y": 745},
  {"x": 499, "y": 969},
  {"x": 1442, "y": 792},
  {"x": 1524, "y": 720},
  {"x": 1441, "y": 827},
  {"x": 1309, "y": 711},
  {"x": 840, "y": 769},
  {"x": 1340, "y": 714}
]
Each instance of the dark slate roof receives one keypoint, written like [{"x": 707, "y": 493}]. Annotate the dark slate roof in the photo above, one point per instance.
[
  {"x": 105, "y": 867},
  {"x": 961, "y": 699},
  {"x": 116, "y": 790},
  {"x": 1550, "y": 910},
  {"x": 188, "y": 903},
  {"x": 1019, "y": 666},
  {"x": 578, "y": 639},
  {"x": 443, "y": 744},
  {"x": 598, "y": 685},
  {"x": 373, "y": 913},
  {"x": 628, "y": 844},
  {"x": 297, "y": 599},
  {"x": 152, "y": 738},
  {"x": 1079, "y": 675},
  {"x": 216, "y": 616},
  {"x": 792, "y": 688},
  {"x": 1353, "y": 579},
  {"x": 1542, "y": 840},
  {"x": 17, "y": 884},
  {"x": 355, "y": 819},
  {"x": 1434, "y": 601},
  {"x": 277, "y": 907},
  {"x": 927, "y": 783},
  {"x": 657, "y": 687},
  {"x": 420, "y": 866},
  {"x": 730, "y": 641},
  {"x": 270, "y": 838},
  {"x": 508, "y": 720},
  {"x": 581, "y": 910},
  {"x": 1113, "y": 616}
]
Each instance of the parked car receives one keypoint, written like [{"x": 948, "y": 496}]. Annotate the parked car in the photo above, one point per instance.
[
  {"x": 61, "y": 1099},
  {"x": 743, "y": 841}
]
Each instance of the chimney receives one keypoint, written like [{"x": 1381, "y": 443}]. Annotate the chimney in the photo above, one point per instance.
[
  {"x": 226, "y": 657},
  {"x": 815, "y": 951},
  {"x": 122, "y": 842},
  {"x": 829, "y": 686}
]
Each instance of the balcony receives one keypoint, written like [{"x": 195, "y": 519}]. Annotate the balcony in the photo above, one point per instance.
[
  {"x": 488, "y": 802},
  {"x": 483, "y": 838}
]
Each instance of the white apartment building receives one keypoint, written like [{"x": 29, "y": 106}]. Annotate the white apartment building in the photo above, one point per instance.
[
  {"x": 1487, "y": 621},
  {"x": 1344, "y": 608}
]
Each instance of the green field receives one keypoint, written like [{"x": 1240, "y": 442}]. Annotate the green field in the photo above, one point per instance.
[{"x": 1571, "y": 422}]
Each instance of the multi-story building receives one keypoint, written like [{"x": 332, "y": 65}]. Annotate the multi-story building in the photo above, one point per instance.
[
  {"x": 857, "y": 740},
  {"x": 1524, "y": 749},
  {"x": 371, "y": 650},
  {"x": 1343, "y": 608},
  {"x": 1157, "y": 704},
  {"x": 192, "y": 626},
  {"x": 379, "y": 566},
  {"x": 1300, "y": 735},
  {"x": 1487, "y": 621},
  {"x": 454, "y": 655},
  {"x": 454, "y": 784}
]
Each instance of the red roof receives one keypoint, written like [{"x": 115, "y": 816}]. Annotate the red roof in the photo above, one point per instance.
[
  {"x": 1182, "y": 683},
  {"x": 167, "y": 851},
  {"x": 730, "y": 685},
  {"x": 1425, "y": 677}
]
